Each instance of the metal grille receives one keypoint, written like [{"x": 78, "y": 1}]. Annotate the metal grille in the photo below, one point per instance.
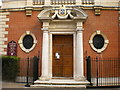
[{"x": 68, "y": 2}]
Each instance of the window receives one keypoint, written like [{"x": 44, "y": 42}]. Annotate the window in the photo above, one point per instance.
[
  {"x": 98, "y": 41},
  {"x": 27, "y": 41}
]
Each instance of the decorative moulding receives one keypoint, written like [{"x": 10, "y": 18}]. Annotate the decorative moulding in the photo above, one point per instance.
[
  {"x": 97, "y": 10},
  {"x": 106, "y": 42}
]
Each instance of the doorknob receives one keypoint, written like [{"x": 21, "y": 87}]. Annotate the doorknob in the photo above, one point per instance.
[{"x": 57, "y": 55}]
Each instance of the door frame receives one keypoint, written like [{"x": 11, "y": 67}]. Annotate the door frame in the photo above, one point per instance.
[{"x": 51, "y": 47}]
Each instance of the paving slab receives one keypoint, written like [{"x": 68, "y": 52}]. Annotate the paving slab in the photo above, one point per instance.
[{"x": 12, "y": 85}]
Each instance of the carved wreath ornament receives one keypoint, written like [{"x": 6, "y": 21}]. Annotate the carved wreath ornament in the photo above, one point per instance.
[{"x": 62, "y": 13}]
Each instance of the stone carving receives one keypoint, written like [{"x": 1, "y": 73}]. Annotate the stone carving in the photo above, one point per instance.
[{"x": 62, "y": 13}]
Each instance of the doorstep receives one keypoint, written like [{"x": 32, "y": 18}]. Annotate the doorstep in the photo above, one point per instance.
[{"x": 61, "y": 83}]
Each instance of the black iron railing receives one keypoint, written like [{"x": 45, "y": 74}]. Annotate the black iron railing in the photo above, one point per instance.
[
  {"x": 103, "y": 71},
  {"x": 28, "y": 72}
]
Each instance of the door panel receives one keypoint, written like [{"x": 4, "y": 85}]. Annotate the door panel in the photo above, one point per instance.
[
  {"x": 67, "y": 49},
  {"x": 62, "y": 65},
  {"x": 67, "y": 71},
  {"x": 67, "y": 60}
]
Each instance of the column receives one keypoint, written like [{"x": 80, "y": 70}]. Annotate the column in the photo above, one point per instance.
[
  {"x": 45, "y": 53},
  {"x": 79, "y": 67}
]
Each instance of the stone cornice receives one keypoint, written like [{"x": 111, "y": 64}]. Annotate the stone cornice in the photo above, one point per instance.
[{"x": 38, "y": 8}]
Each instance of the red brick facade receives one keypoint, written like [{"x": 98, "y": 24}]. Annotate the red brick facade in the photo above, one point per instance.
[
  {"x": 20, "y": 23},
  {"x": 107, "y": 23}
]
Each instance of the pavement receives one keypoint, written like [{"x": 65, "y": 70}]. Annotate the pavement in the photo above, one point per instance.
[
  {"x": 22, "y": 85},
  {"x": 12, "y": 85}
]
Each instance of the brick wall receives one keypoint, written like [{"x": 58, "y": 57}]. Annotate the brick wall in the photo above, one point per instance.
[
  {"x": 20, "y": 23},
  {"x": 107, "y": 23}
]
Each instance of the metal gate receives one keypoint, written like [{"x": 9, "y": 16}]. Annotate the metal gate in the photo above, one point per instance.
[{"x": 103, "y": 71}]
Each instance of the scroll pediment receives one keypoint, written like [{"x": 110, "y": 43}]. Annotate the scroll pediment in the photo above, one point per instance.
[{"x": 62, "y": 13}]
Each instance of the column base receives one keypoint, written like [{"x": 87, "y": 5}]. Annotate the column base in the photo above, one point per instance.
[
  {"x": 80, "y": 78},
  {"x": 44, "y": 78}
]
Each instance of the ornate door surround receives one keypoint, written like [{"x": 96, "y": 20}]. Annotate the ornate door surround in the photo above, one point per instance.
[{"x": 55, "y": 23}]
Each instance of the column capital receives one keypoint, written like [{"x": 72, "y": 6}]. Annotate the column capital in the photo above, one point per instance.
[
  {"x": 45, "y": 26},
  {"x": 79, "y": 26},
  {"x": 79, "y": 29},
  {"x": 44, "y": 29}
]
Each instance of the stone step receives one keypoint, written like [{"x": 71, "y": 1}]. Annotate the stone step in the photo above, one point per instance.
[
  {"x": 57, "y": 86},
  {"x": 61, "y": 83}
]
